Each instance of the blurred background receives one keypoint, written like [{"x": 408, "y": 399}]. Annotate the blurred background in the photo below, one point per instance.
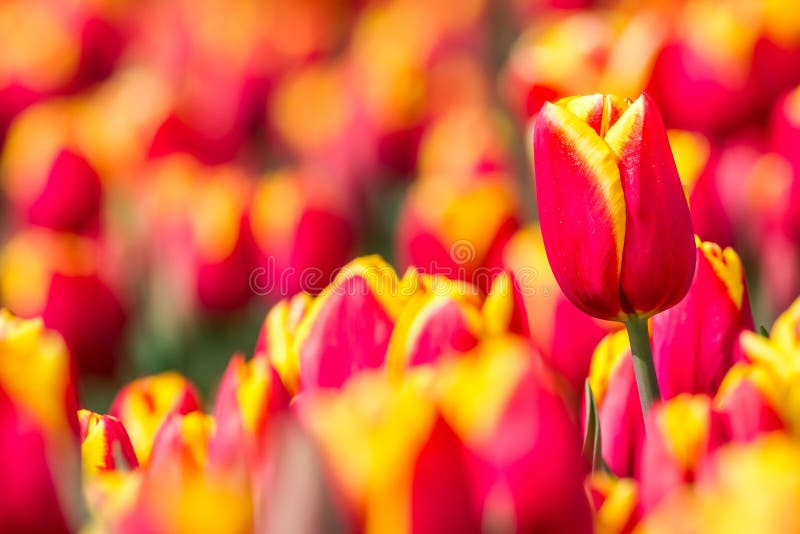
[{"x": 170, "y": 169}]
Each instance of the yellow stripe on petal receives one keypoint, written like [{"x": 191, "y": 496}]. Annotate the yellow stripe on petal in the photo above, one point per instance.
[
  {"x": 600, "y": 164},
  {"x": 728, "y": 268}
]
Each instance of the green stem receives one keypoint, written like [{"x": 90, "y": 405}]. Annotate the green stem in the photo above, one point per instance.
[{"x": 643, "y": 364}]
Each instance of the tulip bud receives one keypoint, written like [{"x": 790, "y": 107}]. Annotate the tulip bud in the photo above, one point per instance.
[
  {"x": 348, "y": 326},
  {"x": 105, "y": 443},
  {"x": 696, "y": 342},
  {"x": 441, "y": 318},
  {"x": 457, "y": 228},
  {"x": 303, "y": 232},
  {"x": 611, "y": 206},
  {"x": 613, "y": 384},
  {"x": 249, "y": 394},
  {"x": 144, "y": 404},
  {"x": 276, "y": 339}
]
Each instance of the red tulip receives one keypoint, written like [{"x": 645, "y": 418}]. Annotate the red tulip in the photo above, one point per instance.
[
  {"x": 697, "y": 341},
  {"x": 303, "y": 231},
  {"x": 614, "y": 217}
]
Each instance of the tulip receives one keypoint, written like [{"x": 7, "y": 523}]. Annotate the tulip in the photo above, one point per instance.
[
  {"x": 144, "y": 404},
  {"x": 39, "y": 447},
  {"x": 205, "y": 248},
  {"x": 303, "y": 232},
  {"x": 60, "y": 188},
  {"x": 745, "y": 488},
  {"x": 746, "y": 399},
  {"x": 696, "y": 342},
  {"x": 249, "y": 394},
  {"x": 105, "y": 443},
  {"x": 457, "y": 227},
  {"x": 348, "y": 326},
  {"x": 772, "y": 367},
  {"x": 611, "y": 207},
  {"x": 687, "y": 433},
  {"x": 508, "y": 409},
  {"x": 68, "y": 284},
  {"x": 371, "y": 434},
  {"x": 615, "y": 502}
]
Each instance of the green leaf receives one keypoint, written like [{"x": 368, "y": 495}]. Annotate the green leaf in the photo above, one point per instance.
[
  {"x": 592, "y": 441},
  {"x": 763, "y": 331}
]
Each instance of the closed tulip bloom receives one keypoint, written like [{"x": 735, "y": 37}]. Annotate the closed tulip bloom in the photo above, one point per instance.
[
  {"x": 614, "y": 216},
  {"x": 696, "y": 342},
  {"x": 146, "y": 403},
  {"x": 105, "y": 444}
]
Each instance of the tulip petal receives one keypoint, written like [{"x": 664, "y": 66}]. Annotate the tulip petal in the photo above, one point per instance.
[
  {"x": 658, "y": 263},
  {"x": 581, "y": 210}
]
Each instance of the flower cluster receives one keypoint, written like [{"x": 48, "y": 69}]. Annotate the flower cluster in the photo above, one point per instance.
[{"x": 589, "y": 211}]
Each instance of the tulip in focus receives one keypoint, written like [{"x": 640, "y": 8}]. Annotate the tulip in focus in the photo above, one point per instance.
[{"x": 613, "y": 213}]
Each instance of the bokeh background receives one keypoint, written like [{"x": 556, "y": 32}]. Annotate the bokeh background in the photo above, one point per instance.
[{"x": 171, "y": 168}]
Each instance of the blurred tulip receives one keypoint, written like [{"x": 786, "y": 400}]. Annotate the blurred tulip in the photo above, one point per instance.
[
  {"x": 39, "y": 447},
  {"x": 303, "y": 230},
  {"x": 605, "y": 166},
  {"x": 575, "y": 52},
  {"x": 696, "y": 342},
  {"x": 687, "y": 432},
  {"x": 65, "y": 279},
  {"x": 348, "y": 326},
  {"x": 772, "y": 367},
  {"x": 105, "y": 443},
  {"x": 464, "y": 141},
  {"x": 509, "y": 411},
  {"x": 46, "y": 173},
  {"x": 457, "y": 228},
  {"x": 249, "y": 394},
  {"x": 613, "y": 384},
  {"x": 615, "y": 503},
  {"x": 745, "y": 399},
  {"x": 371, "y": 433},
  {"x": 563, "y": 334},
  {"x": 746, "y": 488},
  {"x": 144, "y": 404},
  {"x": 204, "y": 247}
]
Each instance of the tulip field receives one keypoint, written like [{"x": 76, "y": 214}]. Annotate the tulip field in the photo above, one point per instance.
[{"x": 399, "y": 266}]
